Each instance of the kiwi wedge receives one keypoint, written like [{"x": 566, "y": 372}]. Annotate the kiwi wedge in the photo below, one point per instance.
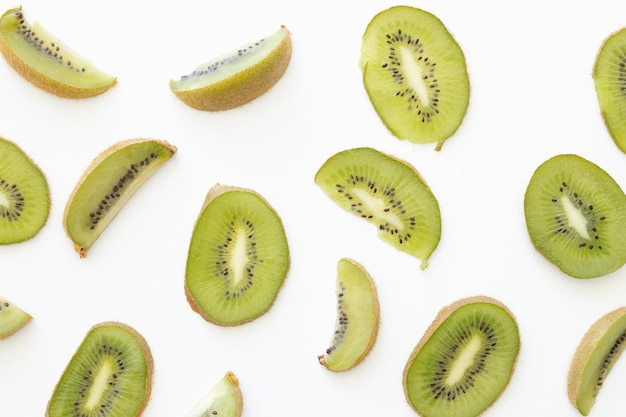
[
  {"x": 576, "y": 216},
  {"x": 110, "y": 375},
  {"x": 238, "y": 257},
  {"x": 105, "y": 186},
  {"x": 387, "y": 192},
  {"x": 415, "y": 75},
  {"x": 465, "y": 359},
  {"x": 24, "y": 195},
  {"x": 595, "y": 356},
  {"x": 47, "y": 62},
  {"x": 358, "y": 317},
  {"x": 237, "y": 77},
  {"x": 12, "y": 318},
  {"x": 224, "y": 399}
]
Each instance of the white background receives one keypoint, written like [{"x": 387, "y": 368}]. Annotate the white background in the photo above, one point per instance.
[{"x": 530, "y": 66}]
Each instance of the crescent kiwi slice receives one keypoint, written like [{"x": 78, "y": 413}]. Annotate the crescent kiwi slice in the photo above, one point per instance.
[
  {"x": 110, "y": 375},
  {"x": 238, "y": 76},
  {"x": 358, "y": 316},
  {"x": 415, "y": 75},
  {"x": 12, "y": 318},
  {"x": 576, "y": 216},
  {"x": 224, "y": 399},
  {"x": 387, "y": 192},
  {"x": 46, "y": 61},
  {"x": 238, "y": 257},
  {"x": 595, "y": 356},
  {"x": 465, "y": 359},
  {"x": 24, "y": 195},
  {"x": 105, "y": 186}
]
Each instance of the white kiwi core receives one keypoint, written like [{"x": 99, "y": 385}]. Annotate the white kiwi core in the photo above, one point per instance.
[
  {"x": 414, "y": 75},
  {"x": 377, "y": 205},
  {"x": 99, "y": 386},
  {"x": 464, "y": 361},
  {"x": 575, "y": 217},
  {"x": 240, "y": 257}
]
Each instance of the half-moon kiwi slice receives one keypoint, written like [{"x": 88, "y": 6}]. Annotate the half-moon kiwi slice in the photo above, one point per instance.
[
  {"x": 105, "y": 186},
  {"x": 12, "y": 318},
  {"x": 46, "y": 61},
  {"x": 576, "y": 216},
  {"x": 110, "y": 375},
  {"x": 238, "y": 76},
  {"x": 224, "y": 399},
  {"x": 464, "y": 361},
  {"x": 415, "y": 75},
  {"x": 387, "y": 192},
  {"x": 238, "y": 257},
  {"x": 24, "y": 195}
]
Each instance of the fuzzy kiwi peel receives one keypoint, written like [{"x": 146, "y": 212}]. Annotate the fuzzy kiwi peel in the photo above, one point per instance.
[
  {"x": 224, "y": 399},
  {"x": 465, "y": 359},
  {"x": 237, "y": 77},
  {"x": 46, "y": 61},
  {"x": 12, "y": 318},
  {"x": 358, "y": 318}
]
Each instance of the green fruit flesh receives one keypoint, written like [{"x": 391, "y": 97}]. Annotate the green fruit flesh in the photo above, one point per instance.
[
  {"x": 12, "y": 318},
  {"x": 24, "y": 195},
  {"x": 464, "y": 361},
  {"x": 358, "y": 315},
  {"x": 415, "y": 75},
  {"x": 110, "y": 375},
  {"x": 238, "y": 257},
  {"x": 224, "y": 399},
  {"x": 386, "y": 192},
  {"x": 576, "y": 216}
]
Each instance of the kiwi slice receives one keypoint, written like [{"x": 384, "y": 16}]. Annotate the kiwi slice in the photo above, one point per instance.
[
  {"x": 105, "y": 186},
  {"x": 465, "y": 359},
  {"x": 595, "y": 356},
  {"x": 238, "y": 257},
  {"x": 238, "y": 76},
  {"x": 110, "y": 375},
  {"x": 576, "y": 216},
  {"x": 47, "y": 62},
  {"x": 358, "y": 316},
  {"x": 387, "y": 192},
  {"x": 224, "y": 399},
  {"x": 415, "y": 75},
  {"x": 24, "y": 195},
  {"x": 12, "y": 318}
]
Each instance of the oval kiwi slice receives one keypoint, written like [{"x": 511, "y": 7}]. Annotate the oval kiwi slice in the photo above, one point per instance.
[
  {"x": 12, "y": 318},
  {"x": 24, "y": 195},
  {"x": 110, "y": 375},
  {"x": 224, "y": 399},
  {"x": 576, "y": 216},
  {"x": 465, "y": 359},
  {"x": 415, "y": 75},
  {"x": 47, "y": 62},
  {"x": 238, "y": 257}
]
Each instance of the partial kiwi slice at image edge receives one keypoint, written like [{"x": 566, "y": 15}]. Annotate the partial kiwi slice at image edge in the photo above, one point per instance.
[
  {"x": 12, "y": 318},
  {"x": 465, "y": 359},
  {"x": 224, "y": 399},
  {"x": 109, "y": 375}
]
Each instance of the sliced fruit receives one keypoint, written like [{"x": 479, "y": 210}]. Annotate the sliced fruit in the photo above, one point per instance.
[
  {"x": 237, "y": 77},
  {"x": 47, "y": 62},
  {"x": 224, "y": 399},
  {"x": 12, "y": 318}
]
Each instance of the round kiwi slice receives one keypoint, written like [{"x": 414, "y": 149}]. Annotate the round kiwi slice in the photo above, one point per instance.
[
  {"x": 110, "y": 375},
  {"x": 238, "y": 257},
  {"x": 415, "y": 75},
  {"x": 105, "y": 186},
  {"x": 236, "y": 77},
  {"x": 387, "y": 192},
  {"x": 358, "y": 316},
  {"x": 24, "y": 195},
  {"x": 47, "y": 62},
  {"x": 576, "y": 216},
  {"x": 12, "y": 318},
  {"x": 465, "y": 359},
  {"x": 224, "y": 399}
]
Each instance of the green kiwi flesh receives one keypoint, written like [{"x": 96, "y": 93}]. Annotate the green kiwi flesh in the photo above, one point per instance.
[
  {"x": 224, "y": 399},
  {"x": 24, "y": 195},
  {"x": 464, "y": 361},
  {"x": 105, "y": 186},
  {"x": 576, "y": 216},
  {"x": 415, "y": 75},
  {"x": 238, "y": 76},
  {"x": 109, "y": 375},
  {"x": 595, "y": 356},
  {"x": 388, "y": 193},
  {"x": 358, "y": 317},
  {"x": 46, "y": 61},
  {"x": 238, "y": 257},
  {"x": 12, "y": 318}
]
